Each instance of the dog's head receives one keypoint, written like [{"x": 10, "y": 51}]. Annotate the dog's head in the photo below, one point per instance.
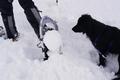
[{"x": 82, "y": 23}]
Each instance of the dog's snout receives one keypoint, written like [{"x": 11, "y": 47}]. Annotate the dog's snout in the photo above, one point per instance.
[{"x": 73, "y": 28}]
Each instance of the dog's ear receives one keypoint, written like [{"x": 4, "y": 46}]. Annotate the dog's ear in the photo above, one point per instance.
[{"x": 85, "y": 17}]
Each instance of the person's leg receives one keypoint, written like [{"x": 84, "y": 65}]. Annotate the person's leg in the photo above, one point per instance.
[
  {"x": 32, "y": 14},
  {"x": 34, "y": 18},
  {"x": 8, "y": 19}
]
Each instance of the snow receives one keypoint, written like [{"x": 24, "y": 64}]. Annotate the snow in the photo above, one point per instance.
[
  {"x": 22, "y": 60},
  {"x": 53, "y": 40}
]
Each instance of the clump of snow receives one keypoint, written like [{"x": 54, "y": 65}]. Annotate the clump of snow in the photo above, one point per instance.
[{"x": 53, "y": 40}]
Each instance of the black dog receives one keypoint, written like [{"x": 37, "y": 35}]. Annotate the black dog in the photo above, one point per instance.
[{"x": 105, "y": 38}]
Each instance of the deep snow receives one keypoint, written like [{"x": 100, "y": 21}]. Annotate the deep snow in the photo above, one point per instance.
[{"x": 22, "y": 60}]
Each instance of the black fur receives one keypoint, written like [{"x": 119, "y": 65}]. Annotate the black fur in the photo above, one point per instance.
[{"x": 105, "y": 38}]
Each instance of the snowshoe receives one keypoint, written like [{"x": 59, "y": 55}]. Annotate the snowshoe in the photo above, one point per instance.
[{"x": 46, "y": 24}]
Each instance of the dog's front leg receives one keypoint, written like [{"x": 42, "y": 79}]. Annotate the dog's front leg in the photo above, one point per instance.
[{"x": 102, "y": 60}]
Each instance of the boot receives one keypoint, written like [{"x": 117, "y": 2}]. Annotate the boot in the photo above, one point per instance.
[
  {"x": 34, "y": 19},
  {"x": 10, "y": 27}
]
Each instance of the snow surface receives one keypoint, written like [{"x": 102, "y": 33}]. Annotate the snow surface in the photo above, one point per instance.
[{"x": 22, "y": 60}]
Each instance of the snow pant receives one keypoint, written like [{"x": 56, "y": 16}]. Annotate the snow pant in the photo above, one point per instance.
[
  {"x": 30, "y": 11},
  {"x": 6, "y": 9}
]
